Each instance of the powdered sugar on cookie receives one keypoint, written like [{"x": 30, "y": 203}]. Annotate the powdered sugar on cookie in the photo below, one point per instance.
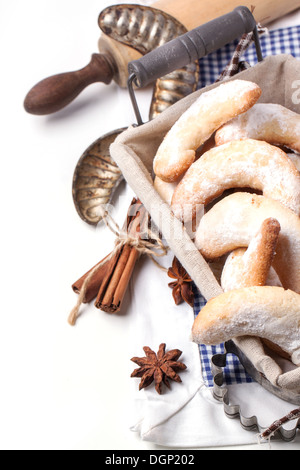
[
  {"x": 235, "y": 220},
  {"x": 267, "y": 312},
  {"x": 210, "y": 111},
  {"x": 239, "y": 164},
  {"x": 270, "y": 122}
]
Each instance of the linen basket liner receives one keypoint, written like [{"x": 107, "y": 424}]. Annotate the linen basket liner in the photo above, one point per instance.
[{"x": 134, "y": 151}]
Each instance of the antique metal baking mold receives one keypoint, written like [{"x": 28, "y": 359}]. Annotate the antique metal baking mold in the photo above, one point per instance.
[{"x": 145, "y": 29}]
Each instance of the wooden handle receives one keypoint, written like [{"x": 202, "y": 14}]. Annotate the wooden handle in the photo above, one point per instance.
[{"x": 54, "y": 93}]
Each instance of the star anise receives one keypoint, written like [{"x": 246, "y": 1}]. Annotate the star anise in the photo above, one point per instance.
[
  {"x": 158, "y": 367},
  {"x": 182, "y": 287}
]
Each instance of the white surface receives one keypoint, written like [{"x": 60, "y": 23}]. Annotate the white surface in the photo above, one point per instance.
[
  {"x": 61, "y": 387},
  {"x": 187, "y": 416}
]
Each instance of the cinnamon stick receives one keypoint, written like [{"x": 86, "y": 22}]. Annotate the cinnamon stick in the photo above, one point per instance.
[
  {"x": 109, "y": 283},
  {"x": 115, "y": 283},
  {"x": 95, "y": 282}
]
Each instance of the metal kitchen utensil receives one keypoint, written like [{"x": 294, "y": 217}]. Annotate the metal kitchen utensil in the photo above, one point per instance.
[
  {"x": 233, "y": 411},
  {"x": 173, "y": 55},
  {"x": 145, "y": 29},
  {"x": 96, "y": 177},
  {"x": 189, "y": 47}
]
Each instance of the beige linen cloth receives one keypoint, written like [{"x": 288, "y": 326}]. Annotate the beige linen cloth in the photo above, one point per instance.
[{"x": 134, "y": 151}]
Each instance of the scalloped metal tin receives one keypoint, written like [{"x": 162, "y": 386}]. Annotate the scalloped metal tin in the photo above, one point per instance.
[
  {"x": 221, "y": 393},
  {"x": 144, "y": 29},
  {"x": 96, "y": 177}
]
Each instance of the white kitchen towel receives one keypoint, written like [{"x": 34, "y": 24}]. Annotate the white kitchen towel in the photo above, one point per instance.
[{"x": 187, "y": 415}]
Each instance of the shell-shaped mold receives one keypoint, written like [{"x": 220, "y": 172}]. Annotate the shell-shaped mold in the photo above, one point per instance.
[
  {"x": 144, "y": 29},
  {"x": 95, "y": 179}
]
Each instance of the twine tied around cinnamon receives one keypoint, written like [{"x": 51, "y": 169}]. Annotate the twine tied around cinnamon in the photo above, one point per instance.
[{"x": 150, "y": 245}]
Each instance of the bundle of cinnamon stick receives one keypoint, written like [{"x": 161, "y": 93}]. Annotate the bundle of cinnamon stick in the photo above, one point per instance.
[{"x": 109, "y": 283}]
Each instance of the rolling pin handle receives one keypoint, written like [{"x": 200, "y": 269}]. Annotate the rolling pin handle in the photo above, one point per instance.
[
  {"x": 192, "y": 46},
  {"x": 56, "y": 92}
]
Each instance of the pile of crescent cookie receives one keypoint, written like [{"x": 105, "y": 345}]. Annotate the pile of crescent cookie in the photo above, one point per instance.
[{"x": 235, "y": 161}]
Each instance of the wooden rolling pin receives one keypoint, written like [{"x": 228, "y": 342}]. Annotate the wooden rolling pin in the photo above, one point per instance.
[
  {"x": 54, "y": 93},
  {"x": 193, "y": 13}
]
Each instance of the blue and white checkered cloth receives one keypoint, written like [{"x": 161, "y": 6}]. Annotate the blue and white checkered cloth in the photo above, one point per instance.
[{"x": 280, "y": 41}]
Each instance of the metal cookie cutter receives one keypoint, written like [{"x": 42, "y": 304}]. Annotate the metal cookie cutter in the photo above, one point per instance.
[{"x": 221, "y": 393}]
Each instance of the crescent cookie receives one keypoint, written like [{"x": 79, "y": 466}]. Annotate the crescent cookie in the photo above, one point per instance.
[
  {"x": 295, "y": 158},
  {"x": 267, "y": 312},
  {"x": 270, "y": 122},
  {"x": 235, "y": 220},
  {"x": 251, "y": 267},
  {"x": 196, "y": 125},
  {"x": 165, "y": 190},
  {"x": 234, "y": 271},
  {"x": 238, "y": 164}
]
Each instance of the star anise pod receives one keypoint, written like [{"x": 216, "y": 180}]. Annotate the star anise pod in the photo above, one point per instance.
[
  {"x": 182, "y": 287},
  {"x": 158, "y": 367}
]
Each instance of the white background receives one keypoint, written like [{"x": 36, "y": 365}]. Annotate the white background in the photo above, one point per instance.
[{"x": 61, "y": 387}]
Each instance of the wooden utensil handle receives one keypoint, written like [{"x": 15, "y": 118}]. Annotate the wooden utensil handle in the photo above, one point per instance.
[{"x": 54, "y": 93}]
